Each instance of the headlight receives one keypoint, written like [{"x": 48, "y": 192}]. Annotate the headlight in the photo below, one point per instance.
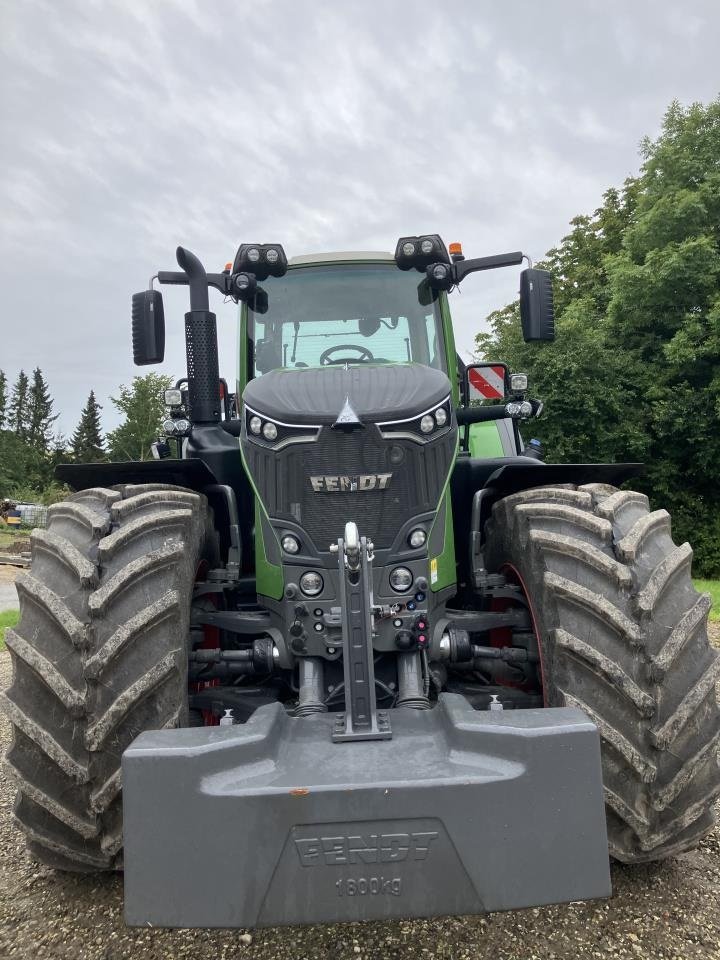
[
  {"x": 519, "y": 409},
  {"x": 290, "y": 544},
  {"x": 439, "y": 276},
  {"x": 420, "y": 427},
  {"x": 518, "y": 382},
  {"x": 173, "y": 398},
  {"x": 182, "y": 426},
  {"x": 261, "y": 429},
  {"x": 272, "y": 256},
  {"x": 253, "y": 254},
  {"x": 419, "y": 252},
  {"x": 245, "y": 285},
  {"x": 417, "y": 538},
  {"x": 311, "y": 583},
  {"x": 168, "y": 426},
  {"x": 401, "y": 579}
]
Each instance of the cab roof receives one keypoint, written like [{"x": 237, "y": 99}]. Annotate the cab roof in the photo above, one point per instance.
[{"x": 341, "y": 255}]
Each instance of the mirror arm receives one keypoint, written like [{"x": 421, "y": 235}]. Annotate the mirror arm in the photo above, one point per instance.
[
  {"x": 463, "y": 267},
  {"x": 467, "y": 415},
  {"x": 220, "y": 281}
]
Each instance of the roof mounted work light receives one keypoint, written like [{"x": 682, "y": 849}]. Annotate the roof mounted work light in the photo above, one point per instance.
[
  {"x": 440, "y": 276},
  {"x": 262, "y": 259},
  {"x": 420, "y": 252}
]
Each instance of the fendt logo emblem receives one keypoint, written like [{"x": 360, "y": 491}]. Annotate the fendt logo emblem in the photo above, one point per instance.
[
  {"x": 375, "y": 848},
  {"x": 342, "y": 484}
]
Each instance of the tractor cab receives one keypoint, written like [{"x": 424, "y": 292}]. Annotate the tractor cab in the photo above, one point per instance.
[{"x": 344, "y": 308}]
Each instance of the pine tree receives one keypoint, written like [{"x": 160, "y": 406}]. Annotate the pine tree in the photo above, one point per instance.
[
  {"x": 87, "y": 444},
  {"x": 40, "y": 417},
  {"x": 18, "y": 412},
  {"x": 3, "y": 399}
]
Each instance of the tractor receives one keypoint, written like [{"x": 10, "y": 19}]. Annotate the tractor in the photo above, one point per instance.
[{"x": 348, "y": 647}]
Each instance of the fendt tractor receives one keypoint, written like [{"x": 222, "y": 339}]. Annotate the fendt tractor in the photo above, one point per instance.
[{"x": 348, "y": 647}]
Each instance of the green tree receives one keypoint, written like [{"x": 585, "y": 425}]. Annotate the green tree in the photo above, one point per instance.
[
  {"x": 635, "y": 370},
  {"x": 3, "y": 399},
  {"x": 143, "y": 405},
  {"x": 87, "y": 444},
  {"x": 23, "y": 470},
  {"x": 40, "y": 418},
  {"x": 18, "y": 411}
]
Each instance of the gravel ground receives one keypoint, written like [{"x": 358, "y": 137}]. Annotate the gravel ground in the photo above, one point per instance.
[
  {"x": 670, "y": 910},
  {"x": 8, "y": 593}
]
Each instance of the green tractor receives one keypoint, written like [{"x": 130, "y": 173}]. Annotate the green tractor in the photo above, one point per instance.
[{"x": 348, "y": 648}]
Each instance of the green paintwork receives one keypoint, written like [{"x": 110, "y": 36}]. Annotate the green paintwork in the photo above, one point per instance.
[
  {"x": 444, "y": 563},
  {"x": 450, "y": 351},
  {"x": 268, "y": 576},
  {"x": 484, "y": 440},
  {"x": 242, "y": 376}
]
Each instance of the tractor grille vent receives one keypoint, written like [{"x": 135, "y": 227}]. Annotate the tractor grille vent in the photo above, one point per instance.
[{"x": 418, "y": 474}]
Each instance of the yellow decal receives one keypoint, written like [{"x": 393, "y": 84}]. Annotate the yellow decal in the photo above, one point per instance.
[{"x": 433, "y": 571}]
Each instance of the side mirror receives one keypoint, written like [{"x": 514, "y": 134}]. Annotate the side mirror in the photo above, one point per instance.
[
  {"x": 536, "y": 305},
  {"x": 148, "y": 328},
  {"x": 486, "y": 381}
]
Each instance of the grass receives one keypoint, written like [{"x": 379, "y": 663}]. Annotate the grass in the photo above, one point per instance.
[
  {"x": 9, "y": 535},
  {"x": 713, "y": 588},
  {"x": 8, "y": 618}
]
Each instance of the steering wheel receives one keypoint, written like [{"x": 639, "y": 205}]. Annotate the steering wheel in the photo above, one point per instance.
[{"x": 364, "y": 353}]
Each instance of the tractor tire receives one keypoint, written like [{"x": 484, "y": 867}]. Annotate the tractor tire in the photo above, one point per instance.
[
  {"x": 622, "y": 636},
  {"x": 99, "y": 655}
]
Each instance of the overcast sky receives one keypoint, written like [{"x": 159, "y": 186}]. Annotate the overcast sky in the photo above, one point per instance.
[{"x": 129, "y": 127}]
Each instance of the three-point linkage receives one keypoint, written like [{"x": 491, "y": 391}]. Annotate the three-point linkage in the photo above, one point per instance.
[{"x": 361, "y": 720}]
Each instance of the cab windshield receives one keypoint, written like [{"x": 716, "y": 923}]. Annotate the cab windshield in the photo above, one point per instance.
[{"x": 346, "y": 313}]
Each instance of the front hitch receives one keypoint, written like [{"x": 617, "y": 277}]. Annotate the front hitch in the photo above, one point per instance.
[{"x": 361, "y": 720}]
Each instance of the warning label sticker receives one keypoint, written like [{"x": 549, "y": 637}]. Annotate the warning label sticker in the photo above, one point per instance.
[
  {"x": 486, "y": 382},
  {"x": 433, "y": 571}
]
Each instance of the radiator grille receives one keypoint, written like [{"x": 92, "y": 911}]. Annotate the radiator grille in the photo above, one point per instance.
[{"x": 418, "y": 473}]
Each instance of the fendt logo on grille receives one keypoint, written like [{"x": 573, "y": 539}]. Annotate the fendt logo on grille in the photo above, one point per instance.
[
  {"x": 376, "y": 848},
  {"x": 342, "y": 484}
]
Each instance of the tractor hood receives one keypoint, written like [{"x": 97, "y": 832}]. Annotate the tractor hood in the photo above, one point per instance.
[{"x": 375, "y": 393}]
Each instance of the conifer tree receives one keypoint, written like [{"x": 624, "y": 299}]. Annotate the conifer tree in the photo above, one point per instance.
[
  {"x": 87, "y": 444},
  {"x": 3, "y": 400},
  {"x": 18, "y": 412},
  {"x": 40, "y": 418}
]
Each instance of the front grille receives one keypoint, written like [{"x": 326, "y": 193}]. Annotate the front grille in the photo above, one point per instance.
[{"x": 283, "y": 481}]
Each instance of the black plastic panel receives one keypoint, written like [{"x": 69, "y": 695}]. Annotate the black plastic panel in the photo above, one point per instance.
[
  {"x": 283, "y": 479},
  {"x": 376, "y": 392}
]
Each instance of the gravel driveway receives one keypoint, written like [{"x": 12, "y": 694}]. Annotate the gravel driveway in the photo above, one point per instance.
[
  {"x": 8, "y": 593},
  {"x": 671, "y": 910}
]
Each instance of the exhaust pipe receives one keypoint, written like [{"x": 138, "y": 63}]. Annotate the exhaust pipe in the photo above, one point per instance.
[{"x": 201, "y": 345}]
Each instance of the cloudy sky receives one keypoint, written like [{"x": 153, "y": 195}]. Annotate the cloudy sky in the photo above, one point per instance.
[{"x": 129, "y": 127}]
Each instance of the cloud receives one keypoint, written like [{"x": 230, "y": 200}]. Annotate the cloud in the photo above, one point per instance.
[{"x": 128, "y": 128}]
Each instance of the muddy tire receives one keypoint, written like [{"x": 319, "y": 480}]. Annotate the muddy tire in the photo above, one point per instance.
[
  {"x": 623, "y": 636},
  {"x": 99, "y": 655}
]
